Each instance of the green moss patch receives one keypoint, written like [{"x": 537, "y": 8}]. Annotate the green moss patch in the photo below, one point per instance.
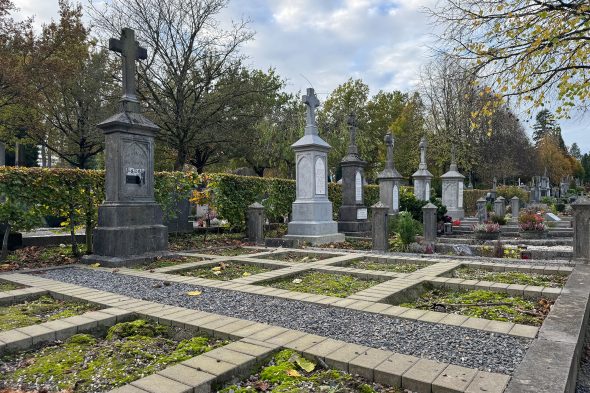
[
  {"x": 543, "y": 280},
  {"x": 226, "y": 271},
  {"x": 229, "y": 251},
  {"x": 8, "y": 286},
  {"x": 372, "y": 264},
  {"x": 297, "y": 257},
  {"x": 289, "y": 372},
  {"x": 87, "y": 363},
  {"x": 164, "y": 262},
  {"x": 350, "y": 245},
  {"x": 40, "y": 310},
  {"x": 491, "y": 305},
  {"x": 338, "y": 285}
]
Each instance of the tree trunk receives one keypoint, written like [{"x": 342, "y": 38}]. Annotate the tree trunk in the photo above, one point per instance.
[
  {"x": 180, "y": 159},
  {"x": 75, "y": 249},
  {"x": 4, "y": 253}
]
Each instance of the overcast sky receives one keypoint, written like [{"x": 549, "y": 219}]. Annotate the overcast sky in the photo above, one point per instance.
[{"x": 382, "y": 42}]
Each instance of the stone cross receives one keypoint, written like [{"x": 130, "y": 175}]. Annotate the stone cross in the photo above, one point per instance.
[
  {"x": 352, "y": 123},
  {"x": 423, "y": 145},
  {"x": 389, "y": 141},
  {"x": 453, "y": 154},
  {"x": 312, "y": 102},
  {"x": 495, "y": 183},
  {"x": 131, "y": 51}
]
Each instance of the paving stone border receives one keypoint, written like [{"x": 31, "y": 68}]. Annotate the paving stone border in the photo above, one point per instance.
[{"x": 255, "y": 342}]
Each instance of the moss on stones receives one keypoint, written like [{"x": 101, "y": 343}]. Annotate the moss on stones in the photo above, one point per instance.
[
  {"x": 543, "y": 280},
  {"x": 40, "y": 310},
  {"x": 84, "y": 363},
  {"x": 370, "y": 264},
  {"x": 297, "y": 257},
  {"x": 8, "y": 286},
  {"x": 283, "y": 375},
  {"x": 495, "y": 306},
  {"x": 338, "y": 285},
  {"x": 226, "y": 271}
]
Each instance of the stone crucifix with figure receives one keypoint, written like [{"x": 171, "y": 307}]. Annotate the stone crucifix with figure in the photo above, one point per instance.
[
  {"x": 353, "y": 216},
  {"x": 130, "y": 226},
  {"x": 422, "y": 177},
  {"x": 312, "y": 211},
  {"x": 389, "y": 179}
]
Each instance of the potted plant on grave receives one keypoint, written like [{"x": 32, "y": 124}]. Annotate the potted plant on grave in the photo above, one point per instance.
[
  {"x": 531, "y": 225},
  {"x": 486, "y": 231}
]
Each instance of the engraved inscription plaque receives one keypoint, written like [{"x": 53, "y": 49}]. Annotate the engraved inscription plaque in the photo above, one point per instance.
[
  {"x": 460, "y": 196},
  {"x": 361, "y": 214},
  {"x": 303, "y": 178},
  {"x": 427, "y": 191},
  {"x": 395, "y": 198},
  {"x": 320, "y": 176},
  {"x": 358, "y": 187},
  {"x": 135, "y": 158}
]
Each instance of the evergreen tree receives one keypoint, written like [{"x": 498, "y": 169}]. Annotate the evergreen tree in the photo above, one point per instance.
[
  {"x": 575, "y": 151},
  {"x": 546, "y": 125}
]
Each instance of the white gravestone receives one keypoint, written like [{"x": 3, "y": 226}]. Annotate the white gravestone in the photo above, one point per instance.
[
  {"x": 304, "y": 189},
  {"x": 395, "y": 198},
  {"x": 361, "y": 214},
  {"x": 460, "y": 196}
]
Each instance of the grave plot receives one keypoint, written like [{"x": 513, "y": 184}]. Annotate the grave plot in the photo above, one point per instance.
[
  {"x": 100, "y": 362},
  {"x": 40, "y": 310},
  {"x": 478, "y": 303},
  {"x": 319, "y": 283},
  {"x": 227, "y": 270},
  {"x": 510, "y": 277},
  {"x": 297, "y": 257},
  {"x": 230, "y": 251},
  {"x": 288, "y": 371},
  {"x": 8, "y": 286},
  {"x": 390, "y": 265},
  {"x": 167, "y": 262}
]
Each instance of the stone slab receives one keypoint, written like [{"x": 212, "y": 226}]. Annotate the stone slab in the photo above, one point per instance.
[
  {"x": 420, "y": 376},
  {"x": 156, "y": 383},
  {"x": 453, "y": 379},
  {"x": 390, "y": 371},
  {"x": 188, "y": 376},
  {"x": 364, "y": 364}
]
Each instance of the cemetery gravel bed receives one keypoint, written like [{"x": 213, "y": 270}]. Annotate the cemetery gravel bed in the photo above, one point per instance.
[{"x": 461, "y": 346}]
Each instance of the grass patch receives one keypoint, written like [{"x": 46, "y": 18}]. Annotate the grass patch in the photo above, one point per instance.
[
  {"x": 87, "y": 363},
  {"x": 226, "y": 271},
  {"x": 371, "y": 264},
  {"x": 338, "y": 285},
  {"x": 491, "y": 305},
  {"x": 40, "y": 310},
  {"x": 543, "y": 280},
  {"x": 350, "y": 245},
  {"x": 8, "y": 286},
  {"x": 194, "y": 241},
  {"x": 166, "y": 262},
  {"x": 289, "y": 372},
  {"x": 230, "y": 251},
  {"x": 297, "y": 257}
]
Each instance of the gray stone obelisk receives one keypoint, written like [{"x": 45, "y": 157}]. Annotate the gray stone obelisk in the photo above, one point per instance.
[
  {"x": 312, "y": 211},
  {"x": 452, "y": 190},
  {"x": 2, "y": 154},
  {"x": 353, "y": 216},
  {"x": 389, "y": 180},
  {"x": 130, "y": 228},
  {"x": 422, "y": 177}
]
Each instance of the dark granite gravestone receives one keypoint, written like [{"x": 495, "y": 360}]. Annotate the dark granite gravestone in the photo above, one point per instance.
[
  {"x": 2, "y": 154},
  {"x": 353, "y": 217},
  {"x": 390, "y": 180},
  {"x": 130, "y": 228}
]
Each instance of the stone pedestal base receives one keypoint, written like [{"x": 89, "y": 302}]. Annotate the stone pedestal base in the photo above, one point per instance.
[
  {"x": 316, "y": 240},
  {"x": 128, "y": 234},
  {"x": 312, "y": 222},
  {"x": 131, "y": 260},
  {"x": 456, "y": 214}
]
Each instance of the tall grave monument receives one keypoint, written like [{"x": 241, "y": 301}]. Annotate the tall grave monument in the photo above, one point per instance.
[
  {"x": 452, "y": 190},
  {"x": 312, "y": 211},
  {"x": 130, "y": 228},
  {"x": 422, "y": 177},
  {"x": 389, "y": 180},
  {"x": 353, "y": 216}
]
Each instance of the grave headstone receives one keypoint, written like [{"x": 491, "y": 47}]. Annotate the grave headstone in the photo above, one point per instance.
[
  {"x": 390, "y": 180},
  {"x": 256, "y": 223},
  {"x": 500, "y": 207},
  {"x": 2, "y": 154},
  {"x": 452, "y": 190},
  {"x": 482, "y": 213},
  {"x": 352, "y": 217},
  {"x": 130, "y": 224},
  {"x": 312, "y": 210},
  {"x": 515, "y": 208},
  {"x": 581, "y": 213},
  {"x": 380, "y": 232},
  {"x": 422, "y": 177},
  {"x": 429, "y": 222},
  {"x": 551, "y": 217},
  {"x": 494, "y": 191},
  {"x": 180, "y": 222}
]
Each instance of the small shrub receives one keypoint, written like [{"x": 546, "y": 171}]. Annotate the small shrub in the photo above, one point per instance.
[
  {"x": 406, "y": 227},
  {"x": 529, "y": 220},
  {"x": 486, "y": 228},
  {"x": 498, "y": 219}
]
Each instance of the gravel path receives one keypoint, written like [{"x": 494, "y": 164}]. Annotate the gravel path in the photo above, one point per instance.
[{"x": 466, "y": 347}]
